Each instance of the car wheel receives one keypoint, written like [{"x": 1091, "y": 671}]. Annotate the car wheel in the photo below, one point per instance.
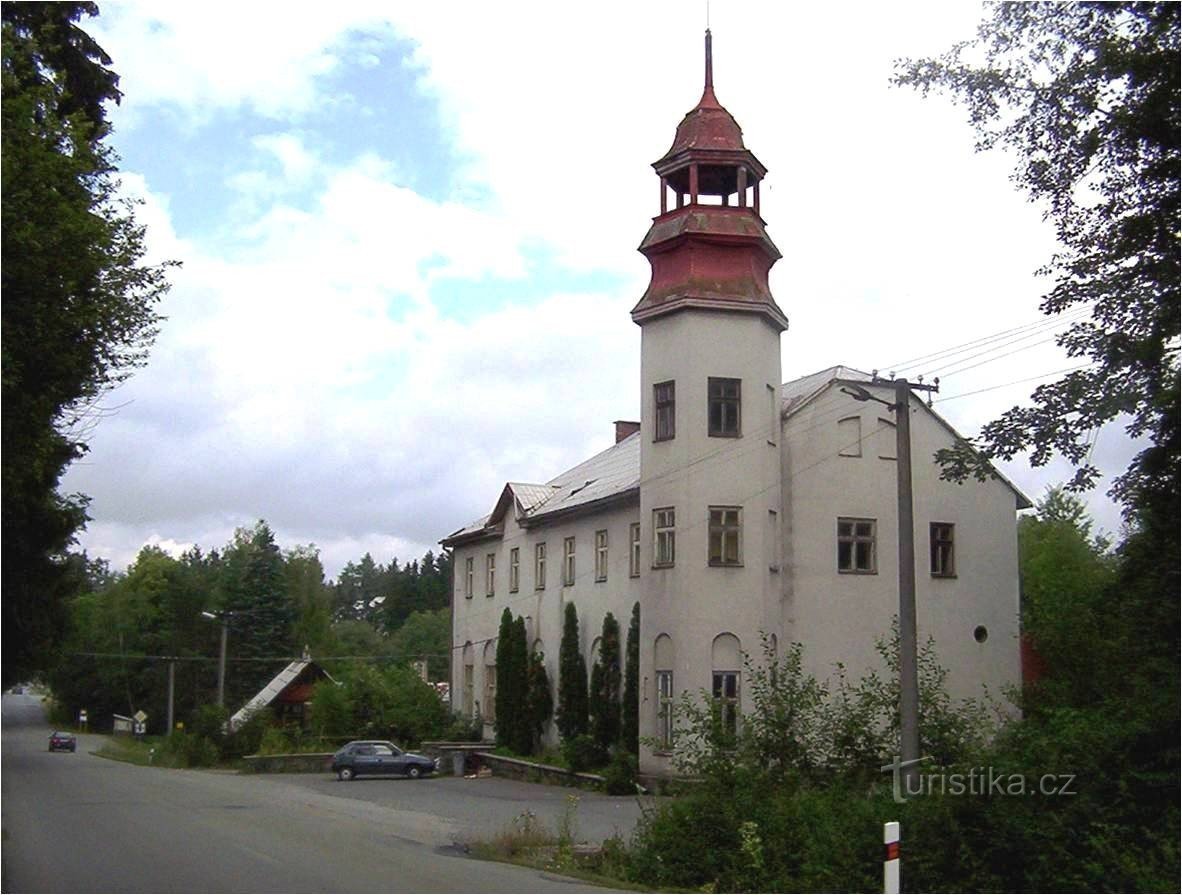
[
  {"x": 413, "y": 772},
  {"x": 74, "y": 748},
  {"x": 345, "y": 774}
]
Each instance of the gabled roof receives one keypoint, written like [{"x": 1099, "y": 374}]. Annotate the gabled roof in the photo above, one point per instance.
[
  {"x": 610, "y": 475},
  {"x": 278, "y": 684},
  {"x": 800, "y": 392}
]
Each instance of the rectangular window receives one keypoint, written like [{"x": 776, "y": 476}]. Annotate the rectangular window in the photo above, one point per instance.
[
  {"x": 469, "y": 689},
  {"x": 856, "y": 551},
  {"x": 540, "y": 566},
  {"x": 663, "y": 534},
  {"x": 468, "y": 578},
  {"x": 568, "y": 561},
  {"x": 664, "y": 710},
  {"x": 726, "y": 536},
  {"x": 514, "y": 569},
  {"x": 490, "y": 694},
  {"x": 723, "y": 407},
  {"x": 726, "y": 700},
  {"x": 634, "y": 552},
  {"x": 943, "y": 550},
  {"x": 490, "y": 574},
  {"x": 663, "y": 399},
  {"x": 601, "y": 555}
]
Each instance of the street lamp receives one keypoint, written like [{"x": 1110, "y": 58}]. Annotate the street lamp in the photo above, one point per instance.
[{"x": 224, "y": 618}]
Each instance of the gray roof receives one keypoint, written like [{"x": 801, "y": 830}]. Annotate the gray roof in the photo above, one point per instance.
[{"x": 613, "y": 473}]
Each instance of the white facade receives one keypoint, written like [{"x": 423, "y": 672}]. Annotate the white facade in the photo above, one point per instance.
[{"x": 818, "y": 458}]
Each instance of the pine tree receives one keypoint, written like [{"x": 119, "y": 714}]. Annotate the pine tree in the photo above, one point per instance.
[
  {"x": 503, "y": 706},
  {"x": 630, "y": 720},
  {"x": 522, "y": 736},
  {"x": 572, "y": 679},
  {"x": 541, "y": 702},
  {"x": 605, "y": 686}
]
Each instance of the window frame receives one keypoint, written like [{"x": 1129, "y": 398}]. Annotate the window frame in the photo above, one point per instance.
[
  {"x": 724, "y": 401},
  {"x": 853, "y": 539},
  {"x": 489, "y": 713},
  {"x": 665, "y": 411},
  {"x": 601, "y": 555},
  {"x": 729, "y": 707},
  {"x": 514, "y": 569},
  {"x": 664, "y": 537},
  {"x": 634, "y": 550},
  {"x": 942, "y": 550},
  {"x": 469, "y": 577},
  {"x": 490, "y": 574},
  {"x": 665, "y": 706},
  {"x": 568, "y": 561},
  {"x": 724, "y": 531},
  {"x": 540, "y": 565}
]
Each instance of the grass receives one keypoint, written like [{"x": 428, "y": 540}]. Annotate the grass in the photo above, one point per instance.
[{"x": 148, "y": 751}]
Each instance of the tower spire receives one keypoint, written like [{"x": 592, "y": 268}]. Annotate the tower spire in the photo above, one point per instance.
[{"x": 709, "y": 61}]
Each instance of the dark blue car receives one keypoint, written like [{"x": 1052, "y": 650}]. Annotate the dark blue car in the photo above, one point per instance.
[{"x": 379, "y": 757}]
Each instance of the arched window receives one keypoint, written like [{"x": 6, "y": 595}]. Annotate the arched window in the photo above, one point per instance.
[
  {"x": 663, "y": 660},
  {"x": 468, "y": 690},
  {"x": 489, "y": 710},
  {"x": 727, "y": 660}
]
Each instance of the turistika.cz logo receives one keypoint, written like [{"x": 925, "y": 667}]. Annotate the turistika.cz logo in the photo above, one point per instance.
[{"x": 987, "y": 781}]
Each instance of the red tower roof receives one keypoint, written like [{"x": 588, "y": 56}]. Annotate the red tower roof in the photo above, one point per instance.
[
  {"x": 709, "y": 254},
  {"x": 707, "y": 125}
]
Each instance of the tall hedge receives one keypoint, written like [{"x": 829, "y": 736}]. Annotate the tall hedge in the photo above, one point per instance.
[
  {"x": 605, "y": 686},
  {"x": 512, "y": 688},
  {"x": 630, "y": 710},
  {"x": 572, "y": 679}
]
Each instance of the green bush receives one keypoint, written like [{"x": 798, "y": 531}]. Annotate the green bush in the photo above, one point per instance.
[
  {"x": 620, "y": 776},
  {"x": 276, "y": 742},
  {"x": 191, "y": 751},
  {"x": 583, "y": 753},
  {"x": 248, "y": 736}
]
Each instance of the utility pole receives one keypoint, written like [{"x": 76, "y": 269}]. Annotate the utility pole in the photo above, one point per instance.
[
  {"x": 224, "y": 618},
  {"x": 908, "y": 646},
  {"x": 171, "y": 693}
]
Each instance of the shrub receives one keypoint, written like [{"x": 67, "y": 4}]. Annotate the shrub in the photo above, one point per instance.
[
  {"x": 582, "y": 753},
  {"x": 620, "y": 776}
]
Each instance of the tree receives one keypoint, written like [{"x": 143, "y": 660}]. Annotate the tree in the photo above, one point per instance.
[
  {"x": 604, "y": 702},
  {"x": 78, "y": 314},
  {"x": 425, "y": 635},
  {"x": 1086, "y": 97},
  {"x": 572, "y": 679},
  {"x": 254, "y": 591},
  {"x": 310, "y": 597},
  {"x": 511, "y": 706},
  {"x": 630, "y": 718},
  {"x": 540, "y": 701}
]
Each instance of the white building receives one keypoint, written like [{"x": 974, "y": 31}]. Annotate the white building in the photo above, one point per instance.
[{"x": 738, "y": 506}]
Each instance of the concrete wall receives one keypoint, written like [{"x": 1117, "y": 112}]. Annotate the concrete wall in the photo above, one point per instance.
[{"x": 838, "y": 616}]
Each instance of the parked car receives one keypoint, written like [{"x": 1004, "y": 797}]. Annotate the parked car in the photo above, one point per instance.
[
  {"x": 66, "y": 742},
  {"x": 379, "y": 757}
]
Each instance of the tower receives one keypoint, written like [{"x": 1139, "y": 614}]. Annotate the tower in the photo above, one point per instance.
[{"x": 710, "y": 487}]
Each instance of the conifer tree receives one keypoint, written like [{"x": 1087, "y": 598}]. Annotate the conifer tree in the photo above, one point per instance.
[
  {"x": 630, "y": 711},
  {"x": 572, "y": 679},
  {"x": 541, "y": 702},
  {"x": 503, "y": 705},
  {"x": 605, "y": 686},
  {"x": 521, "y": 736}
]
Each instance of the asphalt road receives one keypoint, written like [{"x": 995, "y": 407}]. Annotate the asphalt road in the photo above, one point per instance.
[{"x": 78, "y": 823}]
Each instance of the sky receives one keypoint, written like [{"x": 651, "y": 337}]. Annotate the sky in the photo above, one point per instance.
[{"x": 408, "y": 240}]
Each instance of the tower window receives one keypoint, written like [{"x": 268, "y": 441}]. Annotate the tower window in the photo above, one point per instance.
[
  {"x": 724, "y": 407},
  {"x": 663, "y": 399},
  {"x": 726, "y": 529},
  {"x": 663, "y": 537}
]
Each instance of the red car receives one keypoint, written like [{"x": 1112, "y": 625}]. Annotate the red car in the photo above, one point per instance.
[{"x": 62, "y": 741}]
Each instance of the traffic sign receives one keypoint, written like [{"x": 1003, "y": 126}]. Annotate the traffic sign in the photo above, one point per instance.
[{"x": 141, "y": 716}]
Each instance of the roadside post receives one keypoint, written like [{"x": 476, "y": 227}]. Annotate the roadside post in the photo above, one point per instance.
[{"x": 890, "y": 865}]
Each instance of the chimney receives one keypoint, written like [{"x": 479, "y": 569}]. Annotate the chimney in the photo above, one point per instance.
[{"x": 624, "y": 428}]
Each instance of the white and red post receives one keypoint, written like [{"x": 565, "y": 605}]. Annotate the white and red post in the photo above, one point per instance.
[{"x": 890, "y": 865}]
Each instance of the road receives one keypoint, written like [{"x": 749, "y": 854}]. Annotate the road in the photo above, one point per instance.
[{"x": 79, "y": 823}]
